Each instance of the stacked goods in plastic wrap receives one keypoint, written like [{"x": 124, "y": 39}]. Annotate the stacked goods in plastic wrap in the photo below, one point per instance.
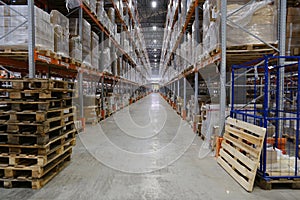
[
  {"x": 61, "y": 32},
  {"x": 293, "y": 31},
  {"x": 86, "y": 38},
  {"x": 103, "y": 17},
  {"x": 259, "y": 18},
  {"x": 95, "y": 50},
  {"x": 104, "y": 59},
  {"x": 18, "y": 39},
  {"x": 75, "y": 48},
  {"x": 93, "y": 5}
]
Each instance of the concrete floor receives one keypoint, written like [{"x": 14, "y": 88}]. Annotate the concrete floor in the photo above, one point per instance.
[{"x": 150, "y": 153}]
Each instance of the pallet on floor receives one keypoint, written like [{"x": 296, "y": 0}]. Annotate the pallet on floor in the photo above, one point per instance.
[
  {"x": 240, "y": 151},
  {"x": 54, "y": 144},
  {"x": 49, "y": 173},
  {"x": 269, "y": 184},
  {"x": 34, "y": 105}
]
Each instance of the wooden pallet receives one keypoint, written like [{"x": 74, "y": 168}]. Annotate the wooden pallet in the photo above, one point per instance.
[
  {"x": 33, "y": 171},
  {"x": 293, "y": 183},
  {"x": 36, "y": 149},
  {"x": 37, "y": 94},
  {"x": 49, "y": 173},
  {"x": 37, "y": 128},
  {"x": 34, "y": 84},
  {"x": 35, "y": 105},
  {"x": 28, "y": 138},
  {"x": 240, "y": 151},
  {"x": 250, "y": 47},
  {"x": 35, "y": 116}
]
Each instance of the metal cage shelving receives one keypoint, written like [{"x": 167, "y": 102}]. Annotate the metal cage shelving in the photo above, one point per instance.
[{"x": 280, "y": 156}]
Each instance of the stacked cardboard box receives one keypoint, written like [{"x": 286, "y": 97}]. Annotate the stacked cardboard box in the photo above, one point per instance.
[
  {"x": 18, "y": 39},
  {"x": 61, "y": 32},
  {"x": 86, "y": 38},
  {"x": 293, "y": 31},
  {"x": 95, "y": 50}
]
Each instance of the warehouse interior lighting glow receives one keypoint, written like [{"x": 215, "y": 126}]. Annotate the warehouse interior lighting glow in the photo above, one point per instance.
[
  {"x": 154, "y": 4},
  {"x": 154, "y": 28}
]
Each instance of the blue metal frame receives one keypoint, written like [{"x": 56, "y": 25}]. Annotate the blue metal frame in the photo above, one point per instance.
[{"x": 262, "y": 117}]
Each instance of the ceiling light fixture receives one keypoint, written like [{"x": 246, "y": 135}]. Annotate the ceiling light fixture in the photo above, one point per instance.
[
  {"x": 154, "y": 28},
  {"x": 154, "y": 4},
  {"x": 154, "y": 41},
  {"x": 155, "y": 56},
  {"x": 154, "y": 49}
]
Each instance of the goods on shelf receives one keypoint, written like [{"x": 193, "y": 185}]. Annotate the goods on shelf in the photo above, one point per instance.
[
  {"x": 37, "y": 130},
  {"x": 104, "y": 60},
  {"x": 18, "y": 39},
  {"x": 75, "y": 48},
  {"x": 259, "y": 18},
  {"x": 293, "y": 31},
  {"x": 61, "y": 33},
  {"x": 95, "y": 50},
  {"x": 93, "y": 6},
  {"x": 86, "y": 38}
]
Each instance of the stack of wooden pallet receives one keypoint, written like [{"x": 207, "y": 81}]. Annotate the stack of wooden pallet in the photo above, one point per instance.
[{"x": 37, "y": 130}]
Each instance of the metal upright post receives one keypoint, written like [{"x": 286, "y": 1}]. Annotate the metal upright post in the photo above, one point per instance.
[
  {"x": 102, "y": 51},
  {"x": 81, "y": 103},
  {"x": 184, "y": 99},
  {"x": 223, "y": 66},
  {"x": 102, "y": 96},
  {"x": 178, "y": 88},
  {"x": 196, "y": 73},
  {"x": 81, "y": 109},
  {"x": 31, "y": 38},
  {"x": 282, "y": 40}
]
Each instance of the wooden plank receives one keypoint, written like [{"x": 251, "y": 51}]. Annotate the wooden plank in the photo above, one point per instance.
[
  {"x": 235, "y": 175},
  {"x": 250, "y": 150},
  {"x": 236, "y": 165},
  {"x": 250, "y": 127},
  {"x": 242, "y": 167},
  {"x": 250, "y": 138},
  {"x": 237, "y": 154}
]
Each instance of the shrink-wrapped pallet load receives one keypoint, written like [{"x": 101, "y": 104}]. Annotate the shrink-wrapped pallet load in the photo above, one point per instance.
[{"x": 11, "y": 18}]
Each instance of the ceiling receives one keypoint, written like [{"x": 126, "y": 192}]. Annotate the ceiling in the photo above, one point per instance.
[{"x": 153, "y": 22}]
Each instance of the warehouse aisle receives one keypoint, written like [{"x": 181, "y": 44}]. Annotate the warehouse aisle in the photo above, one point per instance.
[{"x": 143, "y": 152}]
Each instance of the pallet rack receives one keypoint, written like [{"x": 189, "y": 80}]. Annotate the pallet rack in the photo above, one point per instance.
[
  {"x": 219, "y": 60},
  {"x": 36, "y": 62}
]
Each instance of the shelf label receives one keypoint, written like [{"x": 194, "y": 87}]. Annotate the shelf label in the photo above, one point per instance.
[
  {"x": 44, "y": 58},
  {"x": 67, "y": 65}
]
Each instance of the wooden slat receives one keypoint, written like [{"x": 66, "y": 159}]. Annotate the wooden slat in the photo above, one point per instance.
[
  {"x": 247, "y": 161},
  {"x": 231, "y": 157},
  {"x": 250, "y": 138},
  {"x": 235, "y": 175},
  {"x": 249, "y": 127},
  {"x": 249, "y": 149}
]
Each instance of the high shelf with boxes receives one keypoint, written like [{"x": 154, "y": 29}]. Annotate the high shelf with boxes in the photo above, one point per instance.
[
  {"x": 58, "y": 49},
  {"x": 194, "y": 52},
  {"x": 119, "y": 54}
]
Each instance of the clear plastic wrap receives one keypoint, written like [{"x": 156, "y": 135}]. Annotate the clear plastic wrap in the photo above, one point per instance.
[
  {"x": 93, "y": 5},
  {"x": 99, "y": 8},
  {"x": 75, "y": 48},
  {"x": 61, "y": 33},
  {"x": 18, "y": 39},
  {"x": 86, "y": 38},
  {"x": 95, "y": 50},
  {"x": 258, "y": 17},
  {"x": 105, "y": 60},
  {"x": 293, "y": 32},
  {"x": 73, "y": 3}
]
